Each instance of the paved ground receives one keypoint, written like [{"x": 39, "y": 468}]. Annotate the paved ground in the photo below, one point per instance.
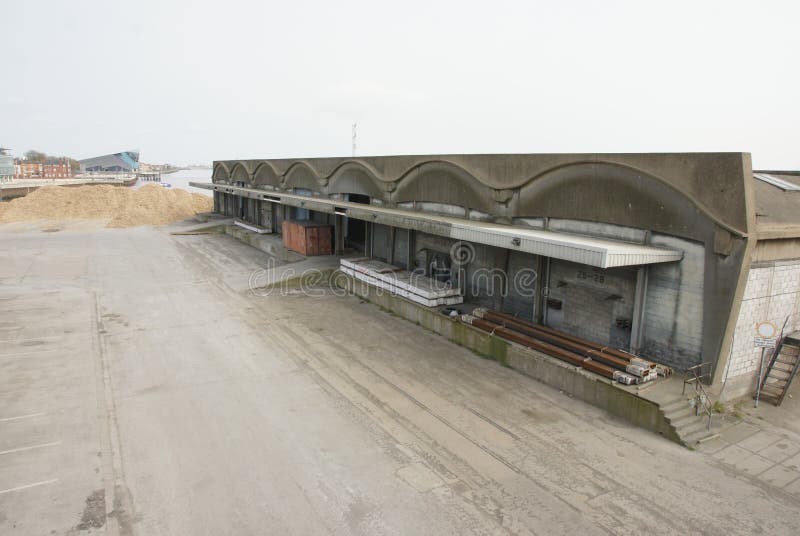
[
  {"x": 144, "y": 390},
  {"x": 763, "y": 443}
]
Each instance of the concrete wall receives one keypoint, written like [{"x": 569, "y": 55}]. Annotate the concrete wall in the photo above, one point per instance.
[
  {"x": 523, "y": 285},
  {"x": 591, "y": 301},
  {"x": 380, "y": 241},
  {"x": 401, "y": 246},
  {"x": 772, "y": 295},
  {"x": 672, "y": 326}
]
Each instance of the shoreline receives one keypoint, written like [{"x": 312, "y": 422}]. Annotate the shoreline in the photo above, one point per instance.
[{"x": 9, "y": 191}]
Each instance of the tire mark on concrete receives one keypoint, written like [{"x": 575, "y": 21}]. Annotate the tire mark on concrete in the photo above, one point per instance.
[{"x": 113, "y": 470}]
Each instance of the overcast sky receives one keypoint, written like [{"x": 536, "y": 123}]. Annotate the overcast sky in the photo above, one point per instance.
[{"x": 196, "y": 81}]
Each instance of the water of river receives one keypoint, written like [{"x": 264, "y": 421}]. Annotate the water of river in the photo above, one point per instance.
[{"x": 181, "y": 179}]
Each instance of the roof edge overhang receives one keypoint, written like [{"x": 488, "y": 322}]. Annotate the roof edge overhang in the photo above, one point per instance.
[{"x": 598, "y": 252}]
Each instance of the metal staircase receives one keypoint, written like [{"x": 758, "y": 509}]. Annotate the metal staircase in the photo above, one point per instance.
[{"x": 782, "y": 369}]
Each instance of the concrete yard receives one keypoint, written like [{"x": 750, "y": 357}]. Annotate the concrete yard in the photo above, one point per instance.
[{"x": 144, "y": 389}]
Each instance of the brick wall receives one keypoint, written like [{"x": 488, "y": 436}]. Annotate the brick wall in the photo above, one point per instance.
[
  {"x": 772, "y": 294},
  {"x": 672, "y": 327}
]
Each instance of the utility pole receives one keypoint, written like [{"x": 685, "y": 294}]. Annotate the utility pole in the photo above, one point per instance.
[{"x": 354, "y": 138}]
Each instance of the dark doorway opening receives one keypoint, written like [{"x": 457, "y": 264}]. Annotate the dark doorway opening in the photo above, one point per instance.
[{"x": 356, "y": 230}]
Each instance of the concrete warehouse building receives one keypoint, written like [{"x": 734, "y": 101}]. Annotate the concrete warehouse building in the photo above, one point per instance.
[{"x": 671, "y": 256}]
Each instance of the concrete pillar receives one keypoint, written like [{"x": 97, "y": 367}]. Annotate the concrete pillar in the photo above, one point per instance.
[
  {"x": 390, "y": 253},
  {"x": 368, "y": 239},
  {"x": 338, "y": 234},
  {"x": 280, "y": 215},
  {"x": 639, "y": 305},
  {"x": 541, "y": 283}
]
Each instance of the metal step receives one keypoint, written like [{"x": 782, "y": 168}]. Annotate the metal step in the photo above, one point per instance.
[
  {"x": 769, "y": 398},
  {"x": 779, "y": 374},
  {"x": 775, "y": 382},
  {"x": 769, "y": 395}
]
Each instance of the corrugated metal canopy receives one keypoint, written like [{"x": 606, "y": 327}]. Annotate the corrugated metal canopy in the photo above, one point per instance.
[{"x": 599, "y": 252}]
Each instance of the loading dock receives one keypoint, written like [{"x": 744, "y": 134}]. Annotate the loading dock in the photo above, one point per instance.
[{"x": 637, "y": 251}]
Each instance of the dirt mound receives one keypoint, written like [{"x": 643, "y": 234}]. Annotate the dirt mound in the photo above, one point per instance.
[{"x": 122, "y": 207}]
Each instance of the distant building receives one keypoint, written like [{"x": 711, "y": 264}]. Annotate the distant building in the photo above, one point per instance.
[
  {"x": 156, "y": 167},
  {"x": 6, "y": 165},
  {"x": 49, "y": 169},
  {"x": 126, "y": 161}
]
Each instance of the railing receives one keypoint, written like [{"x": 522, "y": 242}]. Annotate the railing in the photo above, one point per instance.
[{"x": 694, "y": 376}]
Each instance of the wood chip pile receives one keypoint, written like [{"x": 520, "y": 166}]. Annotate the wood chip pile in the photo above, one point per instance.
[{"x": 121, "y": 207}]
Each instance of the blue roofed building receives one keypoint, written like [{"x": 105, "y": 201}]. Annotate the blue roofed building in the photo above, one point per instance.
[{"x": 125, "y": 161}]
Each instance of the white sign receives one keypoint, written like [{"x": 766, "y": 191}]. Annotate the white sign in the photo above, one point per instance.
[
  {"x": 761, "y": 342},
  {"x": 765, "y": 335}
]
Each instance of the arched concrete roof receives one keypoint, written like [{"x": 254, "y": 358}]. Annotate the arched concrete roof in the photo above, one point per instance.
[
  {"x": 240, "y": 173},
  {"x": 265, "y": 173},
  {"x": 301, "y": 175},
  {"x": 355, "y": 178},
  {"x": 220, "y": 172},
  {"x": 596, "y": 186},
  {"x": 443, "y": 182},
  {"x": 607, "y": 192}
]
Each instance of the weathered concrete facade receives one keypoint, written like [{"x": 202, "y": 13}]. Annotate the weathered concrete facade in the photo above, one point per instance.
[{"x": 701, "y": 205}]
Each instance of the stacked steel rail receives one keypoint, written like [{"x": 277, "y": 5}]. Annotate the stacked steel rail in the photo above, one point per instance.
[{"x": 612, "y": 363}]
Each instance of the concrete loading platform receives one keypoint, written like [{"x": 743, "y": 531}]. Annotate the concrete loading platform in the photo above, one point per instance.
[{"x": 658, "y": 406}]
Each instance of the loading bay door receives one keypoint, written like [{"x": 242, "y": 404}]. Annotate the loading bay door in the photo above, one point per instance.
[{"x": 591, "y": 302}]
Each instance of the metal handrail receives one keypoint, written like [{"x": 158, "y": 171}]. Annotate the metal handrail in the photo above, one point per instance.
[
  {"x": 694, "y": 375},
  {"x": 697, "y": 374}
]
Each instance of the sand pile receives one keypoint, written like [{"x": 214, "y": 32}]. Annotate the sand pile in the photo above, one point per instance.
[{"x": 122, "y": 207}]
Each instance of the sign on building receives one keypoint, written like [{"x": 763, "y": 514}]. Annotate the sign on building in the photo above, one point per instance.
[{"x": 766, "y": 334}]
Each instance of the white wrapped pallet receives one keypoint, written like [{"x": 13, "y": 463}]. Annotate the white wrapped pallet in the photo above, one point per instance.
[
  {"x": 414, "y": 283},
  {"x": 375, "y": 282},
  {"x": 625, "y": 378},
  {"x": 645, "y": 373}
]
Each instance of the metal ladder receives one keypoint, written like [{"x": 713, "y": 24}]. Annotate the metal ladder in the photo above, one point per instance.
[{"x": 782, "y": 369}]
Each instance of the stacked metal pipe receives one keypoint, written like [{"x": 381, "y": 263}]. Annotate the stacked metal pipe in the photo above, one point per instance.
[{"x": 613, "y": 363}]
